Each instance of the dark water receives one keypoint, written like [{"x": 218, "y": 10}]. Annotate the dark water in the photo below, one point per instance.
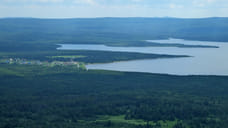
[{"x": 206, "y": 61}]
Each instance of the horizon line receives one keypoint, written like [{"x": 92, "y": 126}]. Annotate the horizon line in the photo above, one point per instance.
[{"x": 165, "y": 17}]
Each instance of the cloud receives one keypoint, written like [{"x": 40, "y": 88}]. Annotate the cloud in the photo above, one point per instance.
[
  {"x": 211, "y": 1},
  {"x": 110, "y": 8},
  {"x": 41, "y": 1},
  {"x": 175, "y": 6},
  {"x": 35, "y": 2},
  {"x": 204, "y": 3},
  {"x": 137, "y": 0},
  {"x": 90, "y": 2}
]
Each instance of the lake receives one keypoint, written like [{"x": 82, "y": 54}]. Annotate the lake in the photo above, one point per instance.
[{"x": 205, "y": 61}]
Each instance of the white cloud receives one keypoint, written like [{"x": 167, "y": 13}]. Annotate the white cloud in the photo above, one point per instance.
[
  {"x": 41, "y": 1},
  {"x": 211, "y": 1},
  {"x": 203, "y": 3},
  {"x": 90, "y": 2},
  {"x": 112, "y": 8},
  {"x": 175, "y": 6},
  {"x": 34, "y": 2},
  {"x": 137, "y": 0},
  {"x": 53, "y": 1}
]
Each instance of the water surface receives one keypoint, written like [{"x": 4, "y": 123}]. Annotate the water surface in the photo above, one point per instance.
[{"x": 206, "y": 61}]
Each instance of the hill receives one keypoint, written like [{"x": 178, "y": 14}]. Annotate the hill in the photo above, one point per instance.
[{"x": 109, "y": 31}]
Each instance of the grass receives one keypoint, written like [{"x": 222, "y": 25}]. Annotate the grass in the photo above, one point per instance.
[
  {"x": 120, "y": 119},
  {"x": 68, "y": 57},
  {"x": 5, "y": 71}
]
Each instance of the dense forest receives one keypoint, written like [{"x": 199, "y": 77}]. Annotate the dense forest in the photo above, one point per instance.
[{"x": 56, "y": 97}]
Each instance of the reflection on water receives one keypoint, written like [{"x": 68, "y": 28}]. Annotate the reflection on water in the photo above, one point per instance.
[{"x": 206, "y": 61}]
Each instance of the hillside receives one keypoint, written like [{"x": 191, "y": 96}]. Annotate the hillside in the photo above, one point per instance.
[{"x": 110, "y": 31}]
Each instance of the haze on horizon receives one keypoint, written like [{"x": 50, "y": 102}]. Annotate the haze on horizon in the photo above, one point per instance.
[{"x": 113, "y": 8}]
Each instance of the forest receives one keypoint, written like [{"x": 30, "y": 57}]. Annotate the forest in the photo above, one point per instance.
[{"x": 54, "y": 97}]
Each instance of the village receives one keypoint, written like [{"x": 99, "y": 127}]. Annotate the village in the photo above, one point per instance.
[{"x": 21, "y": 61}]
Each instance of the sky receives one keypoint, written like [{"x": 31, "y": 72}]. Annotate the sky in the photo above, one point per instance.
[{"x": 113, "y": 8}]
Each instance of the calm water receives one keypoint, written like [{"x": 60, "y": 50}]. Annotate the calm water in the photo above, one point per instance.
[{"x": 206, "y": 61}]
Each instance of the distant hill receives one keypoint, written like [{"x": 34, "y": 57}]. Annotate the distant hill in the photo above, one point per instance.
[{"x": 111, "y": 30}]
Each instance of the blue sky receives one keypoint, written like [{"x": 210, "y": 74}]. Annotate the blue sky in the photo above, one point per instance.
[{"x": 113, "y": 8}]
